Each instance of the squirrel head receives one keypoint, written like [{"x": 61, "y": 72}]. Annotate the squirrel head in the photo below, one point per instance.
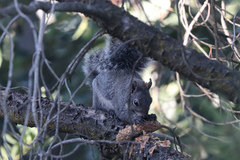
[{"x": 140, "y": 98}]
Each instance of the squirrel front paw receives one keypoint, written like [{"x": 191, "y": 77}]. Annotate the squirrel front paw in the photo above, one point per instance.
[
  {"x": 142, "y": 120},
  {"x": 151, "y": 117},
  {"x": 139, "y": 120}
]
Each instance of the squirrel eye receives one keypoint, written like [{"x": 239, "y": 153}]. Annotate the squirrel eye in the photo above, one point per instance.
[{"x": 135, "y": 102}]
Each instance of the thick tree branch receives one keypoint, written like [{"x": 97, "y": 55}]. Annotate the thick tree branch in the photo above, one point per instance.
[
  {"x": 75, "y": 119},
  {"x": 86, "y": 122},
  {"x": 171, "y": 53}
]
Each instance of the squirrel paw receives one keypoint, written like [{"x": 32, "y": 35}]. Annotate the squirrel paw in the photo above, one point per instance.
[
  {"x": 151, "y": 117},
  {"x": 139, "y": 120}
]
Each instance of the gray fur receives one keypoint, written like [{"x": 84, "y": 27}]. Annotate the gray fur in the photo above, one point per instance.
[{"x": 116, "y": 84}]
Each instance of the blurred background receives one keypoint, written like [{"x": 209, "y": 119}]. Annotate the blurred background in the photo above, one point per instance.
[{"x": 207, "y": 124}]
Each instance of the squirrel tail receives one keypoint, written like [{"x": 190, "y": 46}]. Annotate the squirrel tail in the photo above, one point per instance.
[
  {"x": 114, "y": 56},
  {"x": 124, "y": 57},
  {"x": 92, "y": 65}
]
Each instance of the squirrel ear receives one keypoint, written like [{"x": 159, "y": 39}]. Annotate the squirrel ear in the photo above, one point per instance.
[
  {"x": 149, "y": 84},
  {"x": 134, "y": 86}
]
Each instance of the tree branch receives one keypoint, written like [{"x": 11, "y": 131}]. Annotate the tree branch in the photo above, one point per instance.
[
  {"x": 75, "y": 119},
  {"x": 88, "y": 122}
]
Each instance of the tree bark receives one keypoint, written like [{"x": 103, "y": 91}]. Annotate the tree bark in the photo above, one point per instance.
[
  {"x": 210, "y": 74},
  {"x": 92, "y": 124}
]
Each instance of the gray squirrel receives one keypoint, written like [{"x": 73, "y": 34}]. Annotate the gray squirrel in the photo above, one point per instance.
[{"x": 117, "y": 87}]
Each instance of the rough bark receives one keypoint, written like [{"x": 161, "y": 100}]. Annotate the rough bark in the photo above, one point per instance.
[
  {"x": 118, "y": 23},
  {"x": 87, "y": 122}
]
